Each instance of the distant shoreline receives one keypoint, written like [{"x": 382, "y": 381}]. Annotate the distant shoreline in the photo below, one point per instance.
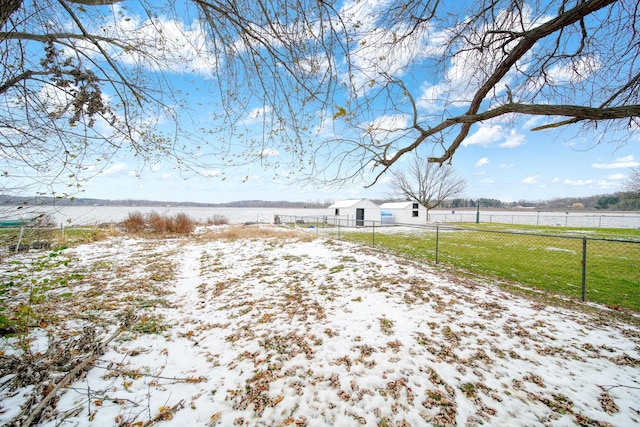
[{"x": 24, "y": 202}]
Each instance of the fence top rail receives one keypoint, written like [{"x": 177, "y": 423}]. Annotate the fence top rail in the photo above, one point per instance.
[
  {"x": 435, "y": 227},
  {"x": 577, "y": 236}
]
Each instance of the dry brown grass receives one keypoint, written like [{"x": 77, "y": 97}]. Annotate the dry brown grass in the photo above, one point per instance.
[
  {"x": 237, "y": 232},
  {"x": 134, "y": 223},
  {"x": 182, "y": 224},
  {"x": 158, "y": 224},
  {"x": 217, "y": 219}
]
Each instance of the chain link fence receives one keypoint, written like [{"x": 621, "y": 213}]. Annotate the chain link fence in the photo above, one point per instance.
[
  {"x": 539, "y": 218},
  {"x": 41, "y": 234},
  {"x": 591, "y": 267},
  {"x": 24, "y": 235}
]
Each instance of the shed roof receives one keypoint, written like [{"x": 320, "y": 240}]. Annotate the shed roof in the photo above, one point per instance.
[
  {"x": 350, "y": 203},
  {"x": 397, "y": 205}
]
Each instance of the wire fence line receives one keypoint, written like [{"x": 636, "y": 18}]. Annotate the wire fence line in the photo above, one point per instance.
[
  {"x": 541, "y": 218},
  {"x": 588, "y": 267},
  {"x": 25, "y": 237},
  {"x": 29, "y": 236},
  {"x": 534, "y": 218}
]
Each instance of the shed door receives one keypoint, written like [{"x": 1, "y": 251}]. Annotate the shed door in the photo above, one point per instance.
[{"x": 359, "y": 217}]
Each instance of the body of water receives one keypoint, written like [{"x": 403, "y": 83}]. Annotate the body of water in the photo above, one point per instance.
[{"x": 93, "y": 215}]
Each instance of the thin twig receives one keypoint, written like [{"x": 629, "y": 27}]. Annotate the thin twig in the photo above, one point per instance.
[
  {"x": 609, "y": 387},
  {"x": 164, "y": 414},
  {"x": 98, "y": 350},
  {"x": 142, "y": 374}
]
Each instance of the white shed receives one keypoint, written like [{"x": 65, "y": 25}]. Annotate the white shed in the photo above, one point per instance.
[
  {"x": 403, "y": 213},
  {"x": 354, "y": 212}
]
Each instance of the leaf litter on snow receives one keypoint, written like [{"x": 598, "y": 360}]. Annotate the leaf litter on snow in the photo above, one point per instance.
[{"x": 280, "y": 329}]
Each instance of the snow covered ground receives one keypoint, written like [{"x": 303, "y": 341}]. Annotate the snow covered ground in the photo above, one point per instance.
[{"x": 220, "y": 329}]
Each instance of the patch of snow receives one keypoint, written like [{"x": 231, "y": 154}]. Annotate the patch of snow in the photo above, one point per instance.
[{"x": 272, "y": 332}]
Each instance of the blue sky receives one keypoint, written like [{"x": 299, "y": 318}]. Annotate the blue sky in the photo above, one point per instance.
[
  {"x": 505, "y": 163},
  {"x": 501, "y": 159}
]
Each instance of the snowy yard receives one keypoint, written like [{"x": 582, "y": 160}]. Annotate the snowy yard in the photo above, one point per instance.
[{"x": 285, "y": 330}]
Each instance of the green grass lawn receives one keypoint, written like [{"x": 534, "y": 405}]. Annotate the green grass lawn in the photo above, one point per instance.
[{"x": 536, "y": 257}]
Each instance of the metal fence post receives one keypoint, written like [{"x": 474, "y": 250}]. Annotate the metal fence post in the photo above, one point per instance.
[
  {"x": 373, "y": 234},
  {"x": 584, "y": 269},
  {"x": 437, "y": 238}
]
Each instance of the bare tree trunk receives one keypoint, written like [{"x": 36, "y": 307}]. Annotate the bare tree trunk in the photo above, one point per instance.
[{"x": 7, "y": 7}]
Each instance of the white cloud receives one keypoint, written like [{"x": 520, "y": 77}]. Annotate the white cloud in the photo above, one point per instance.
[
  {"x": 487, "y": 135},
  {"x": 531, "y": 179},
  {"x": 269, "y": 152},
  {"x": 506, "y": 165},
  {"x": 484, "y": 136},
  {"x": 257, "y": 115},
  {"x": 469, "y": 67},
  {"x": 621, "y": 162},
  {"x": 380, "y": 53},
  {"x": 578, "y": 182},
  {"x": 532, "y": 122},
  {"x": 113, "y": 169},
  {"x": 575, "y": 71},
  {"x": 514, "y": 139},
  {"x": 487, "y": 181},
  {"x": 482, "y": 162},
  {"x": 385, "y": 179},
  {"x": 595, "y": 183},
  {"x": 180, "y": 47},
  {"x": 384, "y": 126}
]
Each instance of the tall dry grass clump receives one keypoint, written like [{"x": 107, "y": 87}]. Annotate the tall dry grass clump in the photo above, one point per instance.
[
  {"x": 182, "y": 224},
  {"x": 134, "y": 223},
  {"x": 156, "y": 223},
  {"x": 217, "y": 219}
]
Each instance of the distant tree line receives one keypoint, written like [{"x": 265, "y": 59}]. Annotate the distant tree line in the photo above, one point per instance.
[
  {"x": 616, "y": 201},
  {"x": 624, "y": 201},
  {"x": 473, "y": 203},
  {"x": 16, "y": 201}
]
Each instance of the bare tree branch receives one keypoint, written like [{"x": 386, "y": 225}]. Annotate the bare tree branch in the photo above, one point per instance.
[
  {"x": 338, "y": 90},
  {"x": 426, "y": 183}
]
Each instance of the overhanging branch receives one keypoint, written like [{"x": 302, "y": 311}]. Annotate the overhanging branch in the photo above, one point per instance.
[{"x": 575, "y": 112}]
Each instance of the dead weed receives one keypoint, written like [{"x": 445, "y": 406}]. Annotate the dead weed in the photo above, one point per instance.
[{"x": 238, "y": 232}]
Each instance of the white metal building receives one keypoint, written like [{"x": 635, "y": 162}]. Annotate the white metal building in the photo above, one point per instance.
[
  {"x": 354, "y": 212},
  {"x": 403, "y": 213}
]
